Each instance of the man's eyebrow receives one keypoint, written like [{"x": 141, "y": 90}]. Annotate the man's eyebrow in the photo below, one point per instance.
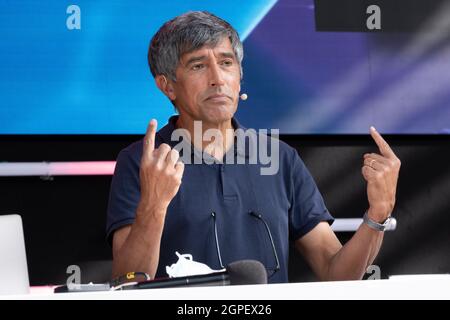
[
  {"x": 227, "y": 55},
  {"x": 195, "y": 59},
  {"x": 201, "y": 58}
]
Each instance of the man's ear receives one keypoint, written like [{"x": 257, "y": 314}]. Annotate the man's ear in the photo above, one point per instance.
[{"x": 166, "y": 86}]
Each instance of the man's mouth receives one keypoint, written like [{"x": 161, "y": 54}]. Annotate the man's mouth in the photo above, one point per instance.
[{"x": 218, "y": 97}]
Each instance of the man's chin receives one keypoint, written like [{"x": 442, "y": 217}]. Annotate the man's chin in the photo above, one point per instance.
[
  {"x": 219, "y": 115},
  {"x": 215, "y": 121}
]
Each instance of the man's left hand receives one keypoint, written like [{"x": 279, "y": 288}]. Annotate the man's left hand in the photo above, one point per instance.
[{"x": 381, "y": 173}]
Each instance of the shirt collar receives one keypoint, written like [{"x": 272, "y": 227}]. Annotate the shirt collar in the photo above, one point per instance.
[{"x": 165, "y": 134}]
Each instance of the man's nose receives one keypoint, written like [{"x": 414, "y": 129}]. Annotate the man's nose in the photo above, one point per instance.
[{"x": 216, "y": 76}]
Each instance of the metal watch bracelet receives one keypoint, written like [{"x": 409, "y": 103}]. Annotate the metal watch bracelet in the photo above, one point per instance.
[{"x": 375, "y": 225}]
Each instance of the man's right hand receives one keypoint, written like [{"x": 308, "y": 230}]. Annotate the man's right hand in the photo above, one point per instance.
[
  {"x": 136, "y": 247},
  {"x": 160, "y": 175}
]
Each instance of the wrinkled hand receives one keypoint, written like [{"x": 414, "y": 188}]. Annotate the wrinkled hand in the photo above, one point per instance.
[
  {"x": 160, "y": 173},
  {"x": 381, "y": 173}
]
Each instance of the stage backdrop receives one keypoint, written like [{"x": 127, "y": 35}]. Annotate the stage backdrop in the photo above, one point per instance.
[{"x": 310, "y": 66}]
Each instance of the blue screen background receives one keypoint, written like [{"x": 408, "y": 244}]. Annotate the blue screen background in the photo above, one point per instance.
[{"x": 96, "y": 80}]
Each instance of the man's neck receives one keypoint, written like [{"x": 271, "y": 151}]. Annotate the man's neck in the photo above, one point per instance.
[{"x": 215, "y": 147}]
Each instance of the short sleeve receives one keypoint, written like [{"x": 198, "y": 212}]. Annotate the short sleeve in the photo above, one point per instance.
[
  {"x": 307, "y": 206},
  {"x": 124, "y": 194}
]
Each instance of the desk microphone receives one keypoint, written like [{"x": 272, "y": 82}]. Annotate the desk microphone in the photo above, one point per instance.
[{"x": 240, "y": 272}]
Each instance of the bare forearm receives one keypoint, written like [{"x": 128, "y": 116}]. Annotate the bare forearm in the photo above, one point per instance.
[
  {"x": 140, "y": 251},
  {"x": 352, "y": 260},
  {"x": 137, "y": 247}
]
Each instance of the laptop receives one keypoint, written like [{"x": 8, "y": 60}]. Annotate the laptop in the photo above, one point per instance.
[{"x": 13, "y": 258}]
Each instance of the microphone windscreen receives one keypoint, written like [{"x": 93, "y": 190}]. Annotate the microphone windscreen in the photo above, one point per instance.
[{"x": 247, "y": 272}]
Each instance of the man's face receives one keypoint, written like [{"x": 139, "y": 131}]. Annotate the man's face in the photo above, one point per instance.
[{"x": 208, "y": 83}]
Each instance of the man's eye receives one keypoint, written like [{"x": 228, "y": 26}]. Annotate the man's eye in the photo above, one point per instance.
[
  {"x": 197, "y": 66},
  {"x": 227, "y": 63}
]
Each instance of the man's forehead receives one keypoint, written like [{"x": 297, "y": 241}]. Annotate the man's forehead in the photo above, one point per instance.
[{"x": 223, "y": 47}]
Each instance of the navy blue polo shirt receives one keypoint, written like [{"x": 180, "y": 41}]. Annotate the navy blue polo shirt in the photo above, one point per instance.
[{"x": 288, "y": 202}]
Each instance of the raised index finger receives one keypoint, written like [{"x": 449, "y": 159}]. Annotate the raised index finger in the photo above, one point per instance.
[
  {"x": 149, "y": 139},
  {"x": 384, "y": 147}
]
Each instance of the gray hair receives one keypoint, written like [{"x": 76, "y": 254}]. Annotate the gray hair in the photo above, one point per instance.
[{"x": 186, "y": 33}]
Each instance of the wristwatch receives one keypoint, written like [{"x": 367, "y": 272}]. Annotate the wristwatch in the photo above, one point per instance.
[{"x": 375, "y": 225}]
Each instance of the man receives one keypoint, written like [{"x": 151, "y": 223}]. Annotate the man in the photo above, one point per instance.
[{"x": 223, "y": 212}]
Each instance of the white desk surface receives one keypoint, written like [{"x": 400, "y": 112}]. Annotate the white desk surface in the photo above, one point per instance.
[{"x": 404, "y": 287}]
